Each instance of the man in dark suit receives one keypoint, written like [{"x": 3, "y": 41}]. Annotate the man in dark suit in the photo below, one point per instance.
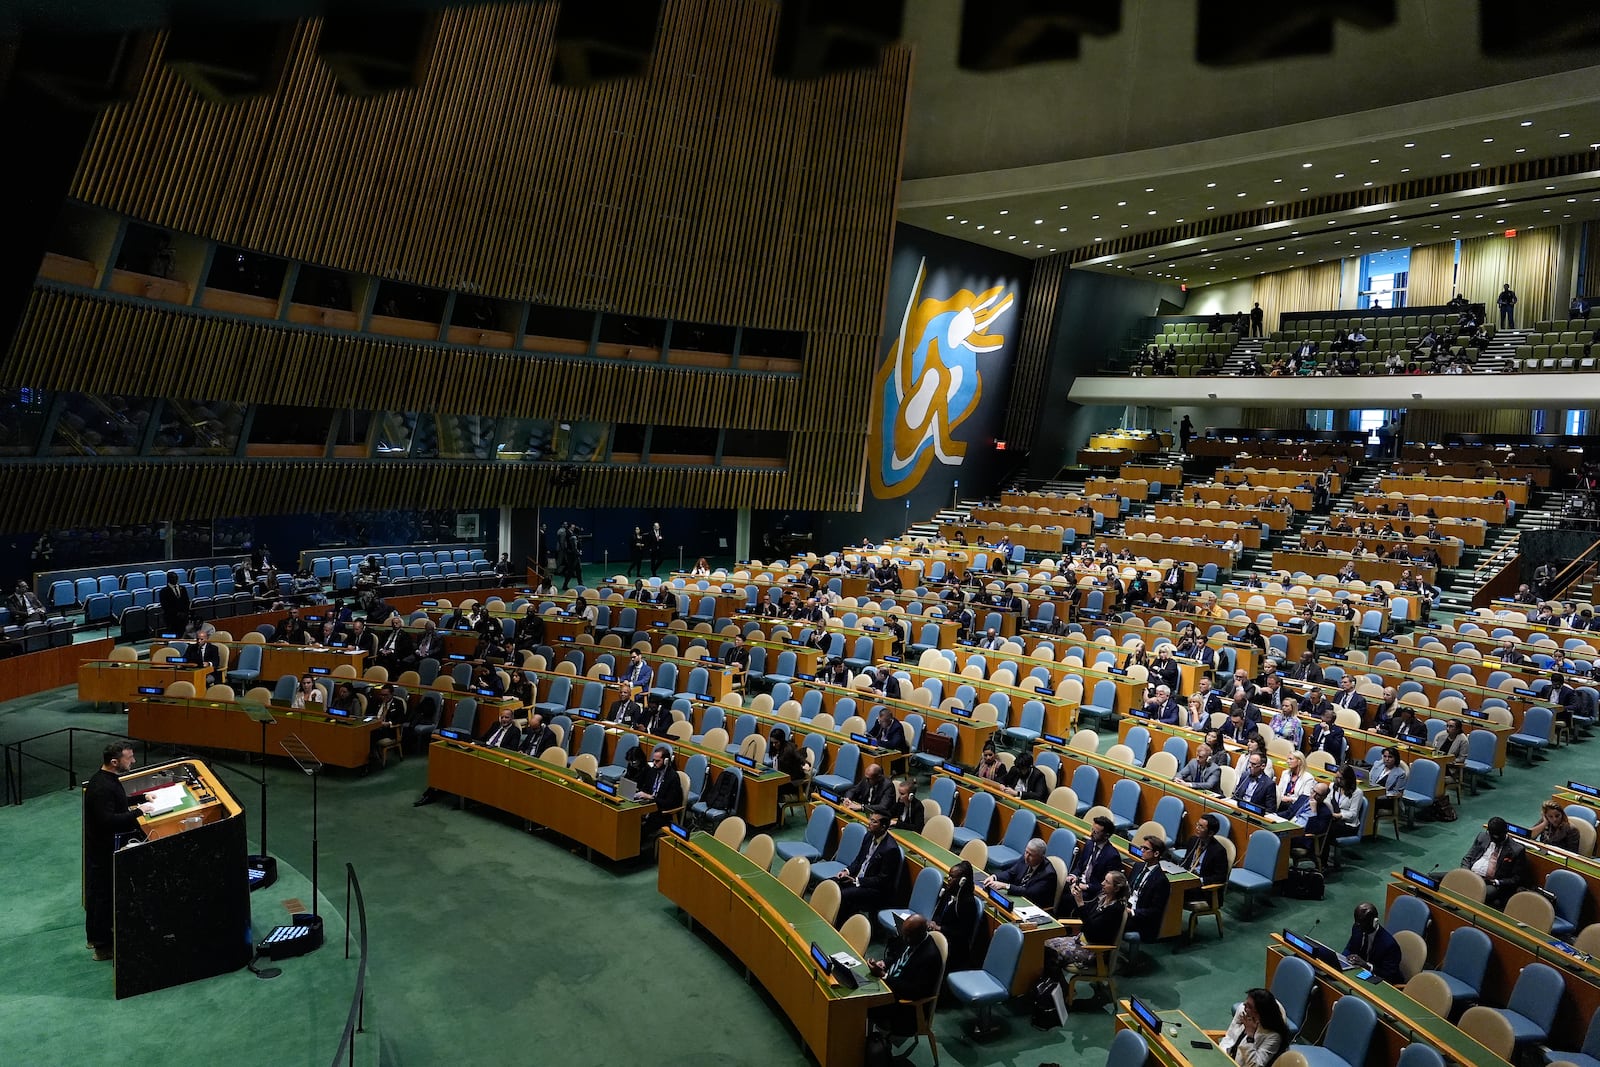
[
  {"x": 888, "y": 732},
  {"x": 395, "y": 646},
  {"x": 291, "y": 629},
  {"x": 872, "y": 793},
  {"x": 363, "y": 638},
  {"x": 1148, "y": 890},
  {"x": 1501, "y": 861},
  {"x": 910, "y": 968},
  {"x": 1205, "y": 856},
  {"x": 628, "y": 710},
  {"x": 1256, "y": 785},
  {"x": 202, "y": 653},
  {"x": 1349, "y": 698},
  {"x": 1032, "y": 876},
  {"x": 504, "y": 733},
  {"x": 107, "y": 812},
  {"x": 1328, "y": 736},
  {"x": 905, "y": 810},
  {"x": 869, "y": 882},
  {"x": 886, "y": 683},
  {"x": 1027, "y": 781},
  {"x": 428, "y": 645},
  {"x": 536, "y": 737},
  {"x": 663, "y": 786},
  {"x": 1095, "y": 858},
  {"x": 1161, "y": 707},
  {"x": 1372, "y": 946}
]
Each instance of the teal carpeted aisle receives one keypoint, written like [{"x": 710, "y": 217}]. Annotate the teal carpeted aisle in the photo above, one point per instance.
[{"x": 491, "y": 945}]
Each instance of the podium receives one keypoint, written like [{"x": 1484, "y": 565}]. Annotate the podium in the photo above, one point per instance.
[{"x": 182, "y": 895}]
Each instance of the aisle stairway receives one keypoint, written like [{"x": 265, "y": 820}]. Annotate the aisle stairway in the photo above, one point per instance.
[{"x": 1496, "y": 359}]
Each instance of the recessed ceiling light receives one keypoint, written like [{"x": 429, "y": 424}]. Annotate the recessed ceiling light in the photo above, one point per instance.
[
  {"x": 1099, "y": 238},
  {"x": 982, "y": 227},
  {"x": 1238, "y": 194},
  {"x": 1063, "y": 207},
  {"x": 1339, "y": 175},
  {"x": 1477, "y": 164},
  {"x": 1122, "y": 203},
  {"x": 1211, "y": 185},
  {"x": 1563, "y": 135},
  {"x": 1521, "y": 150},
  {"x": 963, "y": 222},
  {"x": 1366, "y": 183},
  {"x": 1527, "y": 122},
  {"x": 1372, "y": 161},
  {"x": 1405, "y": 170},
  {"x": 1149, "y": 212},
  {"x": 1094, "y": 216},
  {"x": 1488, "y": 140},
  {"x": 1277, "y": 181},
  {"x": 1124, "y": 225},
  {"x": 1307, "y": 166},
  {"x": 1211, "y": 207},
  {"x": 1013, "y": 237},
  {"x": 1005, "y": 211},
  {"x": 1062, "y": 230},
  {"x": 1038, "y": 222},
  {"x": 1305, "y": 188},
  {"x": 1150, "y": 190},
  {"x": 1444, "y": 155},
  {"x": 947, "y": 218},
  {"x": 1269, "y": 202},
  {"x": 1455, "y": 216},
  {"x": 1411, "y": 144}
]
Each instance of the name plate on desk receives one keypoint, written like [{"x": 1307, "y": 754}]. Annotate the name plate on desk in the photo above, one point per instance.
[
  {"x": 1576, "y": 787},
  {"x": 450, "y": 733},
  {"x": 490, "y": 693},
  {"x": 1052, "y": 739},
  {"x": 1000, "y": 898},
  {"x": 961, "y": 713},
  {"x": 828, "y": 795},
  {"x": 955, "y": 769},
  {"x": 1419, "y": 878},
  {"x": 151, "y": 690},
  {"x": 679, "y": 831},
  {"x": 457, "y": 656},
  {"x": 806, "y": 677},
  {"x": 588, "y": 713},
  {"x": 318, "y": 670},
  {"x": 744, "y": 761},
  {"x": 1253, "y": 809},
  {"x": 863, "y": 739}
]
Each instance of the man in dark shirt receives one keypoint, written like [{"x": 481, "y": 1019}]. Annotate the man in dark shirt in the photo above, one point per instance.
[
  {"x": 868, "y": 883},
  {"x": 888, "y": 731},
  {"x": 663, "y": 786},
  {"x": 910, "y": 968},
  {"x": 1031, "y": 877},
  {"x": 202, "y": 653},
  {"x": 107, "y": 812},
  {"x": 872, "y": 793}
]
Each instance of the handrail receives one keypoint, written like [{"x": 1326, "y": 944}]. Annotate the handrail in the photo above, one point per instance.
[
  {"x": 355, "y": 1022},
  {"x": 1501, "y": 556},
  {"x": 1575, "y": 571},
  {"x": 15, "y": 754}
]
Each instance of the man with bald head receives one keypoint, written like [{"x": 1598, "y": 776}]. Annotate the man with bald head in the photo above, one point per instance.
[
  {"x": 873, "y": 793},
  {"x": 910, "y": 968},
  {"x": 1373, "y": 947}
]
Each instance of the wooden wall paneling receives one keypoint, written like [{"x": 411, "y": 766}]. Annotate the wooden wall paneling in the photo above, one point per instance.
[{"x": 1031, "y": 372}]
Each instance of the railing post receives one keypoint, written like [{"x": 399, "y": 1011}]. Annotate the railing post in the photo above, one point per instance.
[{"x": 72, "y": 739}]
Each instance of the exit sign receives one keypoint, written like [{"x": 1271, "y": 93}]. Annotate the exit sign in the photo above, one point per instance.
[{"x": 1511, "y": 233}]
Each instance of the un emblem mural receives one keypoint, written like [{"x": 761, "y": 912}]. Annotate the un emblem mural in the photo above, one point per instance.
[{"x": 930, "y": 383}]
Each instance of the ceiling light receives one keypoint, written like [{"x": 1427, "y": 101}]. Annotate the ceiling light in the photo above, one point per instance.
[
  {"x": 1149, "y": 212},
  {"x": 1277, "y": 181},
  {"x": 1307, "y": 166},
  {"x": 1124, "y": 225},
  {"x": 1211, "y": 207},
  {"x": 1372, "y": 161},
  {"x": 1521, "y": 150},
  {"x": 1062, "y": 230},
  {"x": 1433, "y": 205},
  {"x": 1005, "y": 211},
  {"x": 1366, "y": 183},
  {"x": 1305, "y": 189},
  {"x": 1527, "y": 122},
  {"x": 963, "y": 222},
  {"x": 947, "y": 218},
  {"x": 1013, "y": 237},
  {"x": 1477, "y": 164},
  {"x": 1411, "y": 144},
  {"x": 1563, "y": 135},
  {"x": 1099, "y": 238},
  {"x": 1339, "y": 175},
  {"x": 1122, "y": 203},
  {"x": 1094, "y": 216},
  {"x": 1238, "y": 194},
  {"x": 1211, "y": 185},
  {"x": 1150, "y": 190},
  {"x": 1444, "y": 155},
  {"x": 1405, "y": 170},
  {"x": 982, "y": 227},
  {"x": 1063, "y": 207},
  {"x": 1269, "y": 203},
  {"x": 1488, "y": 140}
]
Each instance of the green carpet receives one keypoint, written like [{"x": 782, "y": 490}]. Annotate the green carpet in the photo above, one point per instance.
[{"x": 485, "y": 937}]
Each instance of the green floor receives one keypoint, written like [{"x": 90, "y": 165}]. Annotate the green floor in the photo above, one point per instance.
[{"x": 490, "y": 945}]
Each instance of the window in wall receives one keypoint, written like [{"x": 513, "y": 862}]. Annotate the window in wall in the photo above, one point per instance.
[
  {"x": 400, "y": 301},
  {"x": 147, "y": 250},
  {"x": 1367, "y": 420},
  {"x": 250, "y": 273},
  {"x": 779, "y": 346},
  {"x": 548, "y": 326},
  {"x": 198, "y": 428},
  {"x": 631, "y": 336},
  {"x": 351, "y": 426},
  {"x": 93, "y": 425},
  {"x": 1383, "y": 279},
  {"x": 290, "y": 424},
  {"x": 482, "y": 313},
  {"x": 22, "y": 415},
  {"x": 759, "y": 448},
  {"x": 1538, "y": 422},
  {"x": 689, "y": 443},
  {"x": 702, "y": 337},
  {"x": 323, "y": 288},
  {"x": 1576, "y": 423},
  {"x": 627, "y": 442},
  {"x": 1319, "y": 419}
]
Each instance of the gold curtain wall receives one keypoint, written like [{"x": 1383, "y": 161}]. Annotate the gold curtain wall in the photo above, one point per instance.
[
  {"x": 1032, "y": 369},
  {"x": 1310, "y": 288},
  {"x": 1431, "y": 280},
  {"x": 1527, "y": 261},
  {"x": 1432, "y": 424},
  {"x": 1589, "y": 269}
]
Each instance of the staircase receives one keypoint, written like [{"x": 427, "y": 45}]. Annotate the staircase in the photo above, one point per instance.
[
  {"x": 1246, "y": 350},
  {"x": 1496, "y": 359}
]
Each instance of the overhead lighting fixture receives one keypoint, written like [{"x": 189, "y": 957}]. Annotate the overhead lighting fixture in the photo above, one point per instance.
[
  {"x": 1005, "y": 211},
  {"x": 1307, "y": 166},
  {"x": 1410, "y": 144},
  {"x": 947, "y": 218},
  {"x": 1372, "y": 161},
  {"x": 1122, "y": 203},
  {"x": 1526, "y": 122},
  {"x": 1563, "y": 135},
  {"x": 1444, "y": 155},
  {"x": 1038, "y": 222}
]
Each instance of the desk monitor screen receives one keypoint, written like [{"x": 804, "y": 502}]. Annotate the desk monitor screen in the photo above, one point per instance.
[
  {"x": 1525, "y": 693},
  {"x": 1419, "y": 878},
  {"x": 588, "y": 713},
  {"x": 802, "y": 677},
  {"x": 450, "y": 733},
  {"x": 829, "y": 795},
  {"x": 744, "y": 761},
  {"x": 150, "y": 690},
  {"x": 339, "y": 713},
  {"x": 487, "y": 693},
  {"x": 1300, "y": 944},
  {"x": 680, "y": 831},
  {"x": 319, "y": 670},
  {"x": 608, "y": 677},
  {"x": 1586, "y": 790},
  {"x": 713, "y": 659},
  {"x": 1147, "y": 1018},
  {"x": 458, "y": 656},
  {"x": 658, "y": 622},
  {"x": 606, "y": 787},
  {"x": 166, "y": 636},
  {"x": 1520, "y": 831},
  {"x": 1054, "y": 740},
  {"x": 430, "y": 603},
  {"x": 892, "y": 659},
  {"x": 704, "y": 696},
  {"x": 1254, "y": 809},
  {"x": 955, "y": 769},
  {"x": 1121, "y": 671},
  {"x": 1001, "y": 899},
  {"x": 1477, "y": 714},
  {"x": 821, "y": 958},
  {"x": 564, "y": 637},
  {"x": 863, "y": 739},
  {"x": 963, "y": 713}
]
